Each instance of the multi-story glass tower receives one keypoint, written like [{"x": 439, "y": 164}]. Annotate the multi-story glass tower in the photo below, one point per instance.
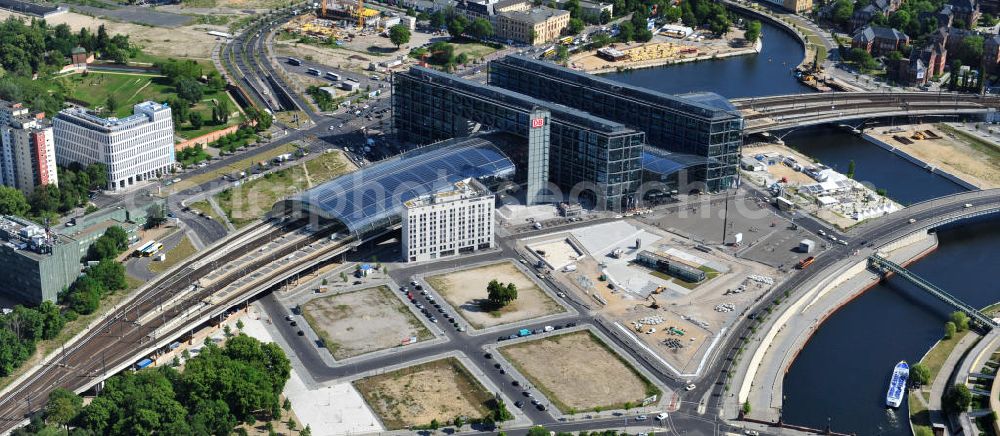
[
  {"x": 703, "y": 124},
  {"x": 580, "y": 154}
]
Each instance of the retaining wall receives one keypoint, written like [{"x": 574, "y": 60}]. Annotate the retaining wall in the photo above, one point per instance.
[{"x": 914, "y": 160}]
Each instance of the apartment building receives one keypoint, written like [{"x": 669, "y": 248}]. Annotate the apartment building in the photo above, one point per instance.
[
  {"x": 136, "y": 148},
  {"x": 27, "y": 151}
]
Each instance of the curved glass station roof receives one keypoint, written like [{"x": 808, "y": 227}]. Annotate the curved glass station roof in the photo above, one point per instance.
[
  {"x": 663, "y": 162},
  {"x": 372, "y": 198}
]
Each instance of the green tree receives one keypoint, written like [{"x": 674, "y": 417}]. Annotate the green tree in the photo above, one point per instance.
[
  {"x": 12, "y": 202},
  {"x": 63, "y": 406},
  {"x": 212, "y": 417},
  {"x": 399, "y": 35},
  {"x": 343, "y": 277},
  {"x": 957, "y": 399},
  {"x": 110, "y": 274},
  {"x": 111, "y": 105},
  {"x": 643, "y": 35},
  {"x": 626, "y": 31},
  {"x": 605, "y": 17},
  {"x": 457, "y": 25},
  {"x": 102, "y": 248},
  {"x": 575, "y": 26},
  {"x": 481, "y": 28},
  {"x": 500, "y": 295},
  {"x": 746, "y": 407},
  {"x": 435, "y": 424},
  {"x": 438, "y": 19},
  {"x": 196, "y": 120},
  {"x": 971, "y": 50},
  {"x": 842, "y": 12},
  {"x": 85, "y": 295},
  {"x": 538, "y": 431},
  {"x": 949, "y": 330},
  {"x": 189, "y": 89},
  {"x": 52, "y": 318},
  {"x": 919, "y": 374},
  {"x": 850, "y": 169},
  {"x": 752, "y": 33},
  {"x": 224, "y": 109},
  {"x": 118, "y": 236},
  {"x": 961, "y": 321}
]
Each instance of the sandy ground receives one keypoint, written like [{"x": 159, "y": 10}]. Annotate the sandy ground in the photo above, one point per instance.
[
  {"x": 558, "y": 253},
  {"x": 661, "y": 49},
  {"x": 467, "y": 288},
  {"x": 603, "y": 380},
  {"x": 361, "y": 322},
  {"x": 952, "y": 154},
  {"x": 675, "y": 303},
  {"x": 190, "y": 42},
  {"x": 328, "y": 410},
  {"x": 357, "y": 51},
  {"x": 442, "y": 390}
]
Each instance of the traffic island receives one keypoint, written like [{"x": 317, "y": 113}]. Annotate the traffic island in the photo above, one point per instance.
[
  {"x": 578, "y": 372},
  {"x": 419, "y": 396},
  {"x": 465, "y": 290},
  {"x": 354, "y": 323}
]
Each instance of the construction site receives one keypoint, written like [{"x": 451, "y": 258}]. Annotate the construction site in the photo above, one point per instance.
[
  {"x": 343, "y": 20},
  {"x": 676, "y": 313}
]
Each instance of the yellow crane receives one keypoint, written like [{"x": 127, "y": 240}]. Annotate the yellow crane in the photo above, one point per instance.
[{"x": 361, "y": 14}]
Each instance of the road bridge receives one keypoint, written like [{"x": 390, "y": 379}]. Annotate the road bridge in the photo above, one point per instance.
[
  {"x": 763, "y": 114},
  {"x": 885, "y": 266}
]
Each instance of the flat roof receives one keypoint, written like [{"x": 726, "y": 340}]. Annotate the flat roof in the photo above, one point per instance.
[
  {"x": 537, "y": 15},
  {"x": 560, "y": 113},
  {"x": 700, "y": 104},
  {"x": 373, "y": 197}
]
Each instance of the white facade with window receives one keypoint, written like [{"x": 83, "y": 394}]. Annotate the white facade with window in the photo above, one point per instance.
[
  {"x": 136, "y": 148},
  {"x": 448, "y": 223}
]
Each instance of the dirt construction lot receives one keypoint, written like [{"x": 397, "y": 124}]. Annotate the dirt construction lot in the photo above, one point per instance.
[
  {"x": 360, "y": 322},
  {"x": 466, "y": 290},
  {"x": 441, "y": 390},
  {"x": 577, "y": 372}
]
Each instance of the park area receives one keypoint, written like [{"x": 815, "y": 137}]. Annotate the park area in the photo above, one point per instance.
[
  {"x": 251, "y": 200},
  {"x": 578, "y": 372},
  {"x": 440, "y": 390},
  {"x": 465, "y": 290},
  {"x": 96, "y": 89},
  {"x": 361, "y": 322}
]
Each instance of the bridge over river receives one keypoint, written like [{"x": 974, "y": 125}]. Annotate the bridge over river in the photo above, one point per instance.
[{"x": 782, "y": 112}]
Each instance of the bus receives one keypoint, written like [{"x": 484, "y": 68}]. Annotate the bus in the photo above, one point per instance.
[
  {"x": 148, "y": 249},
  {"x": 294, "y": 61},
  {"x": 806, "y": 262},
  {"x": 566, "y": 41},
  {"x": 332, "y": 76},
  {"x": 549, "y": 51},
  {"x": 313, "y": 71}
]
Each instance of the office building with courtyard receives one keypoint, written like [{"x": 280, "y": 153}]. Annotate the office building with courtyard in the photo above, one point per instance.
[{"x": 135, "y": 148}]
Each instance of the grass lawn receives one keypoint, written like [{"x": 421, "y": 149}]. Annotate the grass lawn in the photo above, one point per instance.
[
  {"x": 240, "y": 165},
  {"x": 175, "y": 255},
  {"x": 473, "y": 49},
  {"x": 251, "y": 200},
  {"x": 709, "y": 275},
  {"x": 933, "y": 360},
  {"x": 203, "y": 207},
  {"x": 95, "y": 88}
]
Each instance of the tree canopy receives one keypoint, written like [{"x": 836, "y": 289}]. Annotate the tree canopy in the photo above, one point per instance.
[
  {"x": 499, "y": 294},
  {"x": 399, "y": 34}
]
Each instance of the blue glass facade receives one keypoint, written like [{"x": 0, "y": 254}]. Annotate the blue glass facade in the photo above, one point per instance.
[
  {"x": 579, "y": 153},
  {"x": 700, "y": 124}
]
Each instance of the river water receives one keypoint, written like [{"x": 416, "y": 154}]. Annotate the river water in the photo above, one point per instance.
[{"x": 842, "y": 373}]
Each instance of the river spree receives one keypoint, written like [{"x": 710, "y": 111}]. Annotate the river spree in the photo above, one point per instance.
[
  {"x": 768, "y": 73},
  {"x": 842, "y": 374}
]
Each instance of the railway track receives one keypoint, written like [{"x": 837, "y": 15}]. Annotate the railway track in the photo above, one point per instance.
[{"x": 116, "y": 338}]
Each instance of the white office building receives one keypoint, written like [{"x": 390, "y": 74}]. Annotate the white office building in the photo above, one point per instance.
[
  {"x": 136, "y": 148},
  {"x": 448, "y": 223}
]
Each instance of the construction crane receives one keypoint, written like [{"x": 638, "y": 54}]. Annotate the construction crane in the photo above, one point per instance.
[{"x": 361, "y": 14}]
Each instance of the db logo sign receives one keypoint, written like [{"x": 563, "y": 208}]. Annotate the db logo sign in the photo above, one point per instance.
[{"x": 537, "y": 122}]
